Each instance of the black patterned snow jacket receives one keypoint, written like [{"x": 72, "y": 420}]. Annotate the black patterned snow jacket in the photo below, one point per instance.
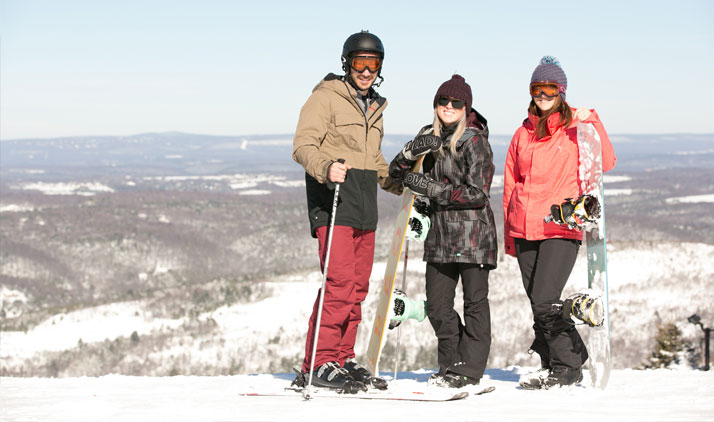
[{"x": 462, "y": 224}]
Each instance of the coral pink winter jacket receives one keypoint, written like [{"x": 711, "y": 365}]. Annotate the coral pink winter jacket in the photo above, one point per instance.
[{"x": 543, "y": 172}]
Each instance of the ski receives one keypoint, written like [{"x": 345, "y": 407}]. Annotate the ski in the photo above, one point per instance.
[
  {"x": 590, "y": 170},
  {"x": 422, "y": 396},
  {"x": 381, "y": 318}
]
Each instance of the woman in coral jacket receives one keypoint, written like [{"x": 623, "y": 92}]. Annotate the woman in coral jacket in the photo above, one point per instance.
[{"x": 542, "y": 170}]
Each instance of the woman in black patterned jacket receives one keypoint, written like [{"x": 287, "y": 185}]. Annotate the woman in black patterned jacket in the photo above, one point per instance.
[{"x": 461, "y": 243}]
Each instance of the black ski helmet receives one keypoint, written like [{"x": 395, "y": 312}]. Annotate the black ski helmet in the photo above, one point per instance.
[{"x": 361, "y": 41}]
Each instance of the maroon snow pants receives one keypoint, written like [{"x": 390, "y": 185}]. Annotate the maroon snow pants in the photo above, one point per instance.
[{"x": 346, "y": 288}]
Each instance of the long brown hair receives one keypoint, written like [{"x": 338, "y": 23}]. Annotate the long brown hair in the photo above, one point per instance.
[{"x": 566, "y": 116}]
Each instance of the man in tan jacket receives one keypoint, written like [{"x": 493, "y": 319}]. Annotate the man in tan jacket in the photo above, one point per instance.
[{"x": 342, "y": 119}]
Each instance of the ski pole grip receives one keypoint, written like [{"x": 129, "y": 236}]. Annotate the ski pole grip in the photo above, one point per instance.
[{"x": 342, "y": 161}]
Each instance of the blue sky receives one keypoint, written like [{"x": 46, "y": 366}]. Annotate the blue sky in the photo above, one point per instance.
[{"x": 73, "y": 68}]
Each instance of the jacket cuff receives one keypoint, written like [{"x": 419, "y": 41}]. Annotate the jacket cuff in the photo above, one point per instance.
[
  {"x": 510, "y": 245},
  {"x": 399, "y": 167},
  {"x": 434, "y": 188},
  {"x": 330, "y": 185}
]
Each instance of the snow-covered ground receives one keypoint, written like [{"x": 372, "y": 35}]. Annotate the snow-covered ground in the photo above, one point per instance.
[
  {"x": 235, "y": 181},
  {"x": 691, "y": 199},
  {"x": 70, "y": 188},
  {"x": 263, "y": 332},
  {"x": 244, "y": 183},
  {"x": 658, "y": 395}
]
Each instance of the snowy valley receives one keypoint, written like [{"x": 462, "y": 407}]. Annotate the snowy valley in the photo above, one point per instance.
[{"x": 193, "y": 259}]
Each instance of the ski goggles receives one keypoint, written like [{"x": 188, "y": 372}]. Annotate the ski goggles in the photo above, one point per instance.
[
  {"x": 549, "y": 90},
  {"x": 455, "y": 103},
  {"x": 360, "y": 63}
]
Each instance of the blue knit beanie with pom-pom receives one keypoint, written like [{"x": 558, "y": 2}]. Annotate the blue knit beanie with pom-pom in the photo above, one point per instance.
[{"x": 549, "y": 70}]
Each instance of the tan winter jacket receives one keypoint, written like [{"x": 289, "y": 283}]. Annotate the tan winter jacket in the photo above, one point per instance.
[{"x": 332, "y": 126}]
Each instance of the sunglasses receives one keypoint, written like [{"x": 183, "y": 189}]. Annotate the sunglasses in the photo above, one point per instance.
[
  {"x": 549, "y": 90},
  {"x": 360, "y": 63},
  {"x": 457, "y": 104}
]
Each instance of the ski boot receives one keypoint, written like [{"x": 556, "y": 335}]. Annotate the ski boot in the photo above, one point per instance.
[
  {"x": 436, "y": 379},
  {"x": 454, "y": 379},
  {"x": 361, "y": 374},
  {"x": 330, "y": 375},
  {"x": 451, "y": 378},
  {"x": 299, "y": 381},
  {"x": 562, "y": 376},
  {"x": 535, "y": 380},
  {"x": 404, "y": 308}
]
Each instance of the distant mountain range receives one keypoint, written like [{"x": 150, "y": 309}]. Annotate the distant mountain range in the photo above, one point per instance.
[{"x": 175, "y": 153}]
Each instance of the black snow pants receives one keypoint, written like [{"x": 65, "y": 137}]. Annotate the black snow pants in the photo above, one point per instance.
[
  {"x": 545, "y": 267},
  {"x": 468, "y": 342}
]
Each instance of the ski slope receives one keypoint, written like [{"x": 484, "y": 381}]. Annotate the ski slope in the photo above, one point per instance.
[{"x": 654, "y": 395}]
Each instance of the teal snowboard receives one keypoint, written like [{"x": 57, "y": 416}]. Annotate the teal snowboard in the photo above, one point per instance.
[{"x": 598, "y": 338}]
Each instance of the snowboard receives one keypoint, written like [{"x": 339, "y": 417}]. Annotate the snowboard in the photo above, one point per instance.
[
  {"x": 590, "y": 171},
  {"x": 381, "y": 318}
]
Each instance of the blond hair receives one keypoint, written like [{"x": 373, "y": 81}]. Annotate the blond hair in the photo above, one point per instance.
[{"x": 460, "y": 129}]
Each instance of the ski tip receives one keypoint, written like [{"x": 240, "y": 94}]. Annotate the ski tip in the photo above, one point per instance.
[
  {"x": 459, "y": 396},
  {"x": 486, "y": 390}
]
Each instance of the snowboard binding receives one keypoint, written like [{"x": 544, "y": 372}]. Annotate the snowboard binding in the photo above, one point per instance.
[
  {"x": 575, "y": 213},
  {"x": 419, "y": 223},
  {"x": 404, "y": 308},
  {"x": 582, "y": 307}
]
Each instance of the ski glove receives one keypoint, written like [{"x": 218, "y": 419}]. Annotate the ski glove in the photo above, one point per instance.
[
  {"x": 422, "y": 144},
  {"x": 575, "y": 213},
  {"x": 418, "y": 183}
]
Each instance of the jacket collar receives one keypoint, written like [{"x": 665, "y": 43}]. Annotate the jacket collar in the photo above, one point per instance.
[
  {"x": 341, "y": 87},
  {"x": 338, "y": 84},
  {"x": 553, "y": 124}
]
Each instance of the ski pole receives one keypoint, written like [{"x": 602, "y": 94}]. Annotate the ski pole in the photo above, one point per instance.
[
  {"x": 308, "y": 390},
  {"x": 404, "y": 287}
]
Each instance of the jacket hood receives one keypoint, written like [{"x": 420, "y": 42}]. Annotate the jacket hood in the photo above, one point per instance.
[
  {"x": 476, "y": 125},
  {"x": 476, "y": 120}
]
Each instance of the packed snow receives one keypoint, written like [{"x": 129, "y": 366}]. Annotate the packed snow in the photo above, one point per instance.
[{"x": 656, "y": 395}]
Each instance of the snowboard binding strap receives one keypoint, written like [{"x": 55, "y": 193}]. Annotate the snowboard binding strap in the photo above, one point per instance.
[
  {"x": 575, "y": 213},
  {"x": 404, "y": 308},
  {"x": 582, "y": 307}
]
